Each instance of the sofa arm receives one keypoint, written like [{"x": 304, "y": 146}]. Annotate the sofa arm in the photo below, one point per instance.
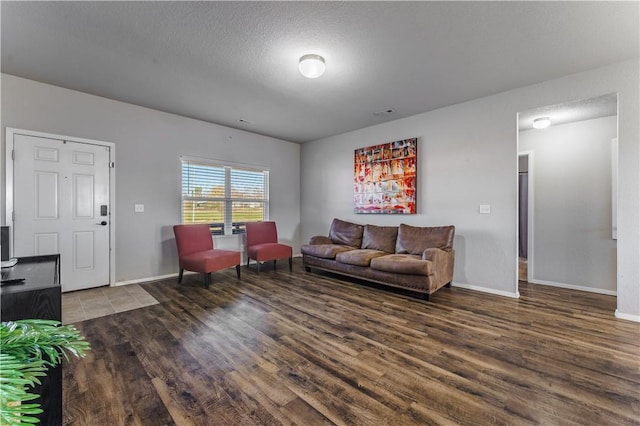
[
  {"x": 434, "y": 254},
  {"x": 319, "y": 239},
  {"x": 442, "y": 264}
]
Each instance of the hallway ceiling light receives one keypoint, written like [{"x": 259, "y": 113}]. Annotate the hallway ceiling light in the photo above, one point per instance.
[
  {"x": 311, "y": 66},
  {"x": 541, "y": 123}
]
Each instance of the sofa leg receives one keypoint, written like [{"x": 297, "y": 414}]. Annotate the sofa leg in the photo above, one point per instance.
[
  {"x": 180, "y": 275},
  {"x": 306, "y": 268},
  {"x": 238, "y": 271},
  {"x": 426, "y": 296},
  {"x": 290, "y": 264},
  {"x": 258, "y": 265},
  {"x": 448, "y": 285},
  {"x": 207, "y": 279}
]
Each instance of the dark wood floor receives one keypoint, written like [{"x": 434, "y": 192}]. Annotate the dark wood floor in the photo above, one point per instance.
[{"x": 309, "y": 349}]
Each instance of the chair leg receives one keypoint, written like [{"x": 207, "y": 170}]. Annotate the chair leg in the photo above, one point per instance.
[
  {"x": 274, "y": 264},
  {"x": 207, "y": 279},
  {"x": 238, "y": 271},
  {"x": 180, "y": 275},
  {"x": 258, "y": 265},
  {"x": 290, "y": 264}
]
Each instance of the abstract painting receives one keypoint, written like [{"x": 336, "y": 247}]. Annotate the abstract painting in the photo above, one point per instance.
[{"x": 385, "y": 178}]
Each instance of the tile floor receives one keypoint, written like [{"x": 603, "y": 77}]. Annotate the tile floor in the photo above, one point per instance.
[{"x": 97, "y": 302}]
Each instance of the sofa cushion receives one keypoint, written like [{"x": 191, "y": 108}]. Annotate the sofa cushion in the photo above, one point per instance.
[
  {"x": 346, "y": 233},
  {"x": 359, "y": 257},
  {"x": 320, "y": 239},
  {"x": 415, "y": 240},
  {"x": 381, "y": 238},
  {"x": 325, "y": 251},
  {"x": 403, "y": 264}
]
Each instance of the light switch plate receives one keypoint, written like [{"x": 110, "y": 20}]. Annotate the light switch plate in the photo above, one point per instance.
[
  {"x": 138, "y": 208},
  {"x": 484, "y": 209}
]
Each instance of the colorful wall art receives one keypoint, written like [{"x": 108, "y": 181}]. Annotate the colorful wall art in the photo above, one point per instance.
[{"x": 385, "y": 178}]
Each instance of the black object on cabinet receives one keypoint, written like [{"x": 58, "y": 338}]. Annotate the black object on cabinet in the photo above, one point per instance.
[
  {"x": 38, "y": 296},
  {"x": 4, "y": 243}
]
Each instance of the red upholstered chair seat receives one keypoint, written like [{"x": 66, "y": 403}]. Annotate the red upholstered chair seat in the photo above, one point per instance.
[
  {"x": 262, "y": 244},
  {"x": 269, "y": 251},
  {"x": 196, "y": 252},
  {"x": 211, "y": 261}
]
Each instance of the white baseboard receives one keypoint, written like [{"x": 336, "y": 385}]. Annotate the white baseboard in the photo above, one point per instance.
[
  {"x": 575, "y": 287},
  {"x": 515, "y": 295},
  {"x": 147, "y": 279},
  {"x": 627, "y": 317}
]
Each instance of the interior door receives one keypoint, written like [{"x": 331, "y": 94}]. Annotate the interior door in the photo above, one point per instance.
[{"x": 61, "y": 205}]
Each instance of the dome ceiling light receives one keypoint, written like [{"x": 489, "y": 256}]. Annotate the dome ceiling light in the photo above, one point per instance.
[
  {"x": 311, "y": 66},
  {"x": 541, "y": 123}
]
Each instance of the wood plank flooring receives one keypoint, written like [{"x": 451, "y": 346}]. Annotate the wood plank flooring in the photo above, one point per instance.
[{"x": 285, "y": 348}]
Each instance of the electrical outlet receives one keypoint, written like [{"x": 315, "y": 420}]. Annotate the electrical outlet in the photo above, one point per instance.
[
  {"x": 138, "y": 208},
  {"x": 484, "y": 209}
]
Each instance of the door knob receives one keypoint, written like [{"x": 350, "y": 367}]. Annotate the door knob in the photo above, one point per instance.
[{"x": 103, "y": 223}]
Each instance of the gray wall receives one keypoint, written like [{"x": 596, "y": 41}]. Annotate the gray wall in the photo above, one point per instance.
[
  {"x": 572, "y": 204},
  {"x": 468, "y": 156},
  {"x": 148, "y": 145}
]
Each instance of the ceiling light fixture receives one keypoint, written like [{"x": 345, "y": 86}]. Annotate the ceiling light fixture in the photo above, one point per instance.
[
  {"x": 541, "y": 123},
  {"x": 311, "y": 66}
]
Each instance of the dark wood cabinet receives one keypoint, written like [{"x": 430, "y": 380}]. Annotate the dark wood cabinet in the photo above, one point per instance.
[{"x": 38, "y": 296}]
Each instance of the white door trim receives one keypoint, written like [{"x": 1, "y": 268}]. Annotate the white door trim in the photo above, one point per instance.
[{"x": 9, "y": 146}]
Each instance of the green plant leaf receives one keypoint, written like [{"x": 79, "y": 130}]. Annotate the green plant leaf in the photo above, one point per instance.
[{"x": 27, "y": 349}]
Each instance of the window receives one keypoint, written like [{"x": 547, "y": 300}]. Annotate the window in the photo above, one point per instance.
[{"x": 222, "y": 196}]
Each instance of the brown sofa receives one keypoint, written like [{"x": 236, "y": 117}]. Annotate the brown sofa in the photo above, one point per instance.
[{"x": 419, "y": 259}]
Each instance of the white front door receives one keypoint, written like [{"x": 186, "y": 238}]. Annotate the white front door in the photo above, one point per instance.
[{"x": 61, "y": 205}]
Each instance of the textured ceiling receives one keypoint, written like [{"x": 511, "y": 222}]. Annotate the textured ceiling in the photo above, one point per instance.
[
  {"x": 224, "y": 62},
  {"x": 569, "y": 112}
]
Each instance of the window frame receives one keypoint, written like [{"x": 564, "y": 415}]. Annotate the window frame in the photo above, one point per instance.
[{"x": 228, "y": 226}]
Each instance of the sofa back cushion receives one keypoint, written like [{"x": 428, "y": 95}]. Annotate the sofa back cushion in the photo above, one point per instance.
[
  {"x": 415, "y": 240},
  {"x": 346, "y": 233},
  {"x": 381, "y": 238}
]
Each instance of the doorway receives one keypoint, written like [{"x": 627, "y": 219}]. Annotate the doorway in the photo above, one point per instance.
[
  {"x": 574, "y": 198},
  {"x": 59, "y": 200},
  {"x": 525, "y": 214}
]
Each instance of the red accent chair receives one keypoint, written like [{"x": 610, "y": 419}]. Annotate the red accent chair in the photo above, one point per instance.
[
  {"x": 196, "y": 252},
  {"x": 262, "y": 244}
]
